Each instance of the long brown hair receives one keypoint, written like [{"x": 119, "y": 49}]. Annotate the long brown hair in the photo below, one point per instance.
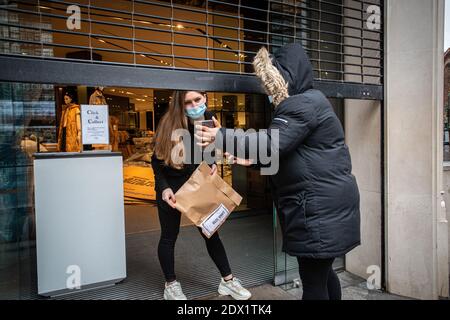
[
  {"x": 173, "y": 119},
  {"x": 163, "y": 145}
]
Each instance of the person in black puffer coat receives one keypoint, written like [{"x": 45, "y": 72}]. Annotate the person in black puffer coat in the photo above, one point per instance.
[{"x": 314, "y": 191}]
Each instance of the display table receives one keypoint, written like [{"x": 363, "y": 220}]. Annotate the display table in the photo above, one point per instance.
[{"x": 80, "y": 231}]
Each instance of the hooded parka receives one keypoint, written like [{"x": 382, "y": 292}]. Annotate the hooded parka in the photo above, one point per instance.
[{"x": 315, "y": 194}]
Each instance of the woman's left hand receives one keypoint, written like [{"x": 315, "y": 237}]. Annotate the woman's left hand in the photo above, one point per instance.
[{"x": 205, "y": 135}]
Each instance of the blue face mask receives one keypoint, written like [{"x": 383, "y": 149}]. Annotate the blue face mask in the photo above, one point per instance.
[
  {"x": 271, "y": 99},
  {"x": 197, "y": 112}
]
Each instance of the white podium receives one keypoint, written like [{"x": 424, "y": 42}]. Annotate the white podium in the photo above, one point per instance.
[{"x": 80, "y": 231}]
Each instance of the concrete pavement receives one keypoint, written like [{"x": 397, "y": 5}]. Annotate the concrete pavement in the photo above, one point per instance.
[{"x": 353, "y": 288}]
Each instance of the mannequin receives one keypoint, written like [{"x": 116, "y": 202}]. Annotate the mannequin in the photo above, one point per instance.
[
  {"x": 97, "y": 98},
  {"x": 69, "y": 136},
  {"x": 114, "y": 133}
]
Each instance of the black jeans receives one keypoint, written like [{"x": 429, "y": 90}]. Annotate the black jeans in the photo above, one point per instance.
[
  {"x": 319, "y": 280},
  {"x": 169, "y": 219}
]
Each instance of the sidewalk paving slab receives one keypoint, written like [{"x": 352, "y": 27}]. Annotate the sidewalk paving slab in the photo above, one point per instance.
[{"x": 353, "y": 288}]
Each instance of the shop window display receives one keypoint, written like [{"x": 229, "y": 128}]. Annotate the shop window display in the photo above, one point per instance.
[{"x": 134, "y": 113}]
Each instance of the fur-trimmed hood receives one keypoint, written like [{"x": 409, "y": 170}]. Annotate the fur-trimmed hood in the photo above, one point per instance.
[{"x": 286, "y": 73}]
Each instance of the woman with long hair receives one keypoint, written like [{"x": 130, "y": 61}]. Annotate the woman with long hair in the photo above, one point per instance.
[{"x": 173, "y": 166}]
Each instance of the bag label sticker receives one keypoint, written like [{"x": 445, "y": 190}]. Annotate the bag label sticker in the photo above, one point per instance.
[{"x": 214, "y": 220}]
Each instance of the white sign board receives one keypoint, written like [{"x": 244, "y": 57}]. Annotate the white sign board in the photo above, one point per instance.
[
  {"x": 80, "y": 228},
  {"x": 94, "y": 124}
]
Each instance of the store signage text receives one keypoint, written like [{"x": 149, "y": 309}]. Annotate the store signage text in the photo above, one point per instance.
[{"x": 95, "y": 124}]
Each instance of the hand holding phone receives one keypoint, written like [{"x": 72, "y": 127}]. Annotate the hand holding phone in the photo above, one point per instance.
[
  {"x": 205, "y": 123},
  {"x": 206, "y": 131}
]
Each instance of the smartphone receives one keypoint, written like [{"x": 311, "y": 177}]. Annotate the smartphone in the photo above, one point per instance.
[{"x": 206, "y": 123}]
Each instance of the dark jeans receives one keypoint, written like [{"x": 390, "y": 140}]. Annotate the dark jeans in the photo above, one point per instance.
[
  {"x": 169, "y": 219},
  {"x": 319, "y": 280}
]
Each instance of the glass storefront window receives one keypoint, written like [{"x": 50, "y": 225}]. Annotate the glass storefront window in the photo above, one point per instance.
[
  {"x": 27, "y": 115},
  {"x": 30, "y": 118}
]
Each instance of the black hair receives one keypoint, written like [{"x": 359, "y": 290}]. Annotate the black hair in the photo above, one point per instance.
[{"x": 71, "y": 95}]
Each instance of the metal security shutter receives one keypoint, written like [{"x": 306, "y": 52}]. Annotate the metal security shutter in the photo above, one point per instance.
[{"x": 203, "y": 36}]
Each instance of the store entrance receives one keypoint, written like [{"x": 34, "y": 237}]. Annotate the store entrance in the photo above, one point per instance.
[
  {"x": 32, "y": 115},
  {"x": 247, "y": 234}
]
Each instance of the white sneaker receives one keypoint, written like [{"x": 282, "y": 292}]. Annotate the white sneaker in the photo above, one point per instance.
[
  {"x": 234, "y": 288},
  {"x": 173, "y": 292}
]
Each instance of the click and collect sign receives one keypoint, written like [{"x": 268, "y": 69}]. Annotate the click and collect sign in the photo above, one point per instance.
[{"x": 94, "y": 124}]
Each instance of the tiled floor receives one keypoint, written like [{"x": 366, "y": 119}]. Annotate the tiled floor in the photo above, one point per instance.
[{"x": 248, "y": 240}]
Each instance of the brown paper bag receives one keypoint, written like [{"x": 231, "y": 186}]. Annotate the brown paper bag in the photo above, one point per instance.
[{"x": 206, "y": 200}]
